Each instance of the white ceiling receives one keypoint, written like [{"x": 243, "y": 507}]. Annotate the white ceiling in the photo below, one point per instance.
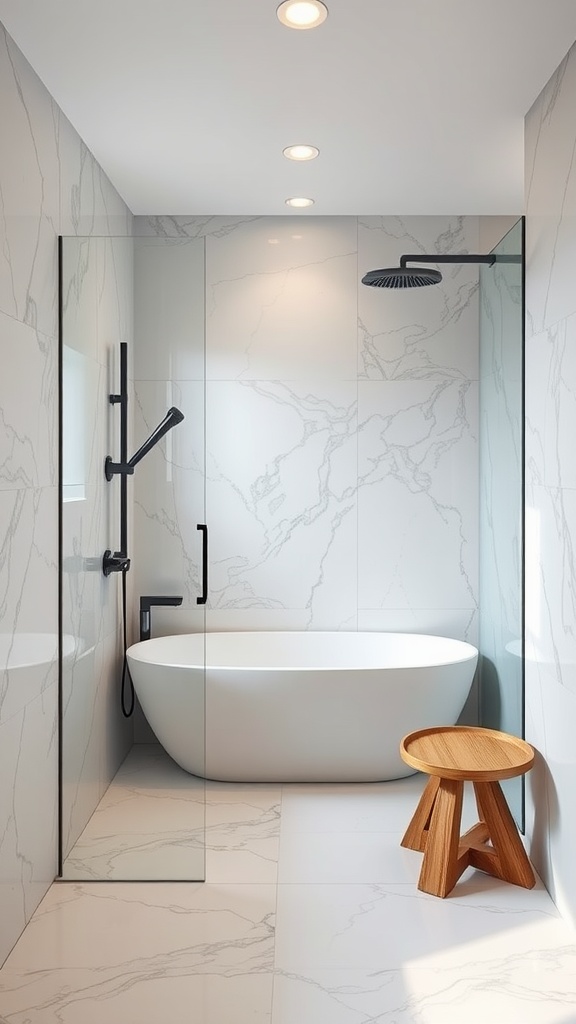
[{"x": 417, "y": 106}]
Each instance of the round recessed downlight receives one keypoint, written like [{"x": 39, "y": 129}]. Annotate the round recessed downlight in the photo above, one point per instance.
[
  {"x": 302, "y": 13},
  {"x": 301, "y": 152},
  {"x": 299, "y": 201}
]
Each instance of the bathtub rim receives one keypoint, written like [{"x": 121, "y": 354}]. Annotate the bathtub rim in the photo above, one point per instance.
[{"x": 142, "y": 650}]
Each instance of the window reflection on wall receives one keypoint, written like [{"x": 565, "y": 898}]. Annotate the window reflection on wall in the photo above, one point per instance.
[{"x": 74, "y": 427}]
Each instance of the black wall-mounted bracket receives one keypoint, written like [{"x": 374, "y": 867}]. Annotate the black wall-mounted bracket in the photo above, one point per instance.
[
  {"x": 117, "y": 562},
  {"x": 111, "y": 468}
]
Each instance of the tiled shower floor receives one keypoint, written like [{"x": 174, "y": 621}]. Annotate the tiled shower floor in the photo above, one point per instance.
[
  {"x": 309, "y": 915},
  {"x": 148, "y": 825}
]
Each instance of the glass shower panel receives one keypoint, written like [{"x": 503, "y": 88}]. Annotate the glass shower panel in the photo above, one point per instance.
[
  {"x": 502, "y": 496},
  {"x": 128, "y": 811}
]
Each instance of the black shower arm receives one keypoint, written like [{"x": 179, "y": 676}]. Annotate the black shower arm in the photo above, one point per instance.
[
  {"x": 490, "y": 260},
  {"x": 126, "y": 466}
]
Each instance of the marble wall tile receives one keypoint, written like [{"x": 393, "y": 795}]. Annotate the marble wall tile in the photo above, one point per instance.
[
  {"x": 28, "y": 416},
  {"x": 97, "y": 315},
  {"x": 417, "y": 494},
  {"x": 169, "y": 308},
  {"x": 28, "y": 798},
  {"x": 115, "y": 298},
  {"x": 550, "y": 508},
  {"x": 285, "y": 459},
  {"x": 49, "y": 184},
  {"x": 550, "y": 785},
  {"x": 281, "y": 482},
  {"x": 188, "y": 227},
  {"x": 551, "y": 405},
  {"x": 89, "y": 204},
  {"x": 28, "y": 583},
  {"x": 551, "y": 581},
  {"x": 95, "y": 736},
  {"x": 422, "y": 333},
  {"x": 551, "y": 200},
  {"x": 29, "y": 201},
  {"x": 80, "y": 295},
  {"x": 278, "y": 300},
  {"x": 459, "y": 623}
]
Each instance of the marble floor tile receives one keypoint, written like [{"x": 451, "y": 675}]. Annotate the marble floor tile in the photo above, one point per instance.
[
  {"x": 196, "y": 927},
  {"x": 242, "y": 832},
  {"x": 148, "y": 825},
  {"x": 375, "y": 927},
  {"x": 347, "y": 857},
  {"x": 359, "y": 807},
  {"x": 520, "y": 990},
  {"x": 107, "y": 996},
  {"x": 344, "y": 937}
]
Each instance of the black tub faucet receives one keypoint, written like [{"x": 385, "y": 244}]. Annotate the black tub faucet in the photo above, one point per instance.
[{"x": 145, "y": 606}]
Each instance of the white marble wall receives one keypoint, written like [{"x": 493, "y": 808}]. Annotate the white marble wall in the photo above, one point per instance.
[
  {"x": 49, "y": 184},
  {"x": 501, "y": 493},
  {"x": 341, "y": 430},
  {"x": 97, "y": 285},
  {"x": 551, "y": 480}
]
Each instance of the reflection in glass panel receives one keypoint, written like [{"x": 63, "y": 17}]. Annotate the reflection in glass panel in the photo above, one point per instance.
[
  {"x": 128, "y": 810},
  {"x": 501, "y": 497}
]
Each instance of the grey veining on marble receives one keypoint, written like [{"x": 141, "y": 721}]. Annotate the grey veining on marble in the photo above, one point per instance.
[
  {"x": 321, "y": 448},
  {"x": 426, "y": 333},
  {"x": 149, "y": 824},
  {"x": 28, "y": 799},
  {"x": 29, "y": 203},
  {"x": 28, "y": 422},
  {"x": 234, "y": 950},
  {"x": 187, "y": 227},
  {"x": 551, "y": 199},
  {"x": 96, "y": 316},
  {"x": 550, "y": 509},
  {"x": 49, "y": 185}
]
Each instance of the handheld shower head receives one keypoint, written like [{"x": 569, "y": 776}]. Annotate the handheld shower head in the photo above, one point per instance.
[{"x": 172, "y": 417}]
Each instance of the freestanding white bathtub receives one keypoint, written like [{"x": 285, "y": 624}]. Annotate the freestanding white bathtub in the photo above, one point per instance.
[{"x": 298, "y": 707}]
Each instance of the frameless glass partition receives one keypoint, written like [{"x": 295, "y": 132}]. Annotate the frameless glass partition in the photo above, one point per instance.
[
  {"x": 132, "y": 786},
  {"x": 502, "y": 496}
]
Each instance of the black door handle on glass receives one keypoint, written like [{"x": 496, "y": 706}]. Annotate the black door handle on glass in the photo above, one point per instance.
[{"x": 204, "y": 598}]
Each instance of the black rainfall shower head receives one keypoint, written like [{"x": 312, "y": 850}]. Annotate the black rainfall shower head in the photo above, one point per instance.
[
  {"x": 412, "y": 277},
  {"x": 401, "y": 277}
]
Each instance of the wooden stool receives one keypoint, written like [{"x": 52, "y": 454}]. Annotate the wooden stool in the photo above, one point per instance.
[{"x": 452, "y": 755}]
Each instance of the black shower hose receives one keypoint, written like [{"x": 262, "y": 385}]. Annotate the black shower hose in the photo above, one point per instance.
[{"x": 125, "y": 670}]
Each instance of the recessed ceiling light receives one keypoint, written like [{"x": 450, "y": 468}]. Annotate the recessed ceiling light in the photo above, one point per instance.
[
  {"x": 302, "y": 13},
  {"x": 299, "y": 201},
  {"x": 300, "y": 152}
]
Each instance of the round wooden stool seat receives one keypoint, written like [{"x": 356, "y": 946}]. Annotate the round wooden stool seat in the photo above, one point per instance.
[
  {"x": 452, "y": 755},
  {"x": 467, "y": 752}
]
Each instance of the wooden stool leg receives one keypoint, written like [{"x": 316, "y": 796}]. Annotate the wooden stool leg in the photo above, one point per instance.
[
  {"x": 508, "y": 859},
  {"x": 441, "y": 867},
  {"x": 416, "y": 834}
]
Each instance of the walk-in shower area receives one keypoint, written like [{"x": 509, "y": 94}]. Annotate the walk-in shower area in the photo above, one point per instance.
[{"x": 339, "y": 464}]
